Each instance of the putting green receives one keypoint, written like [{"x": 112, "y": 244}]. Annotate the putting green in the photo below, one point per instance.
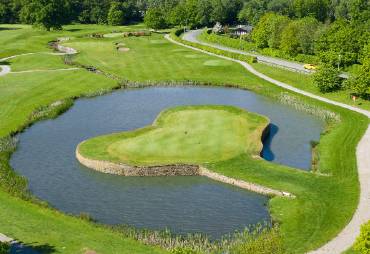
[{"x": 186, "y": 135}]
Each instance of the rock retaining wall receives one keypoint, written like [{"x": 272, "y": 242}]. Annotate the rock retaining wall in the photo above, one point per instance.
[
  {"x": 127, "y": 170},
  {"x": 173, "y": 170}
]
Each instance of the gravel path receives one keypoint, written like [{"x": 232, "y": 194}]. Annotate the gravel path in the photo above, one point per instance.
[{"x": 345, "y": 239}]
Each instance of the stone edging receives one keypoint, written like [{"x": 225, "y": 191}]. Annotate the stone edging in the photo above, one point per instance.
[
  {"x": 173, "y": 170},
  {"x": 345, "y": 239}
]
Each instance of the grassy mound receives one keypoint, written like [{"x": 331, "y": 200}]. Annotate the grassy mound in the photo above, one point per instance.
[{"x": 185, "y": 134}]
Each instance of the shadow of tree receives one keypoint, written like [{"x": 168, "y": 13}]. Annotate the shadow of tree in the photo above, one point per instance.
[
  {"x": 31, "y": 248},
  {"x": 8, "y": 28}
]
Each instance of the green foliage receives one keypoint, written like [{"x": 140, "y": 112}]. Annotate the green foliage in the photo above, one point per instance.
[
  {"x": 115, "y": 14},
  {"x": 155, "y": 18},
  {"x": 249, "y": 59},
  {"x": 267, "y": 32},
  {"x": 265, "y": 241},
  {"x": 327, "y": 78},
  {"x": 49, "y": 14},
  {"x": 4, "y": 248},
  {"x": 341, "y": 43},
  {"x": 185, "y": 14},
  {"x": 362, "y": 243},
  {"x": 299, "y": 35},
  {"x": 252, "y": 11},
  {"x": 250, "y": 46},
  {"x": 359, "y": 83}
]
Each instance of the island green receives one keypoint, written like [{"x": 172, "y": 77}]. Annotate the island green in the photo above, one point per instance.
[{"x": 184, "y": 134}]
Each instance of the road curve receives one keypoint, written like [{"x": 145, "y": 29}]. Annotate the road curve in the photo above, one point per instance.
[
  {"x": 192, "y": 36},
  {"x": 345, "y": 239}
]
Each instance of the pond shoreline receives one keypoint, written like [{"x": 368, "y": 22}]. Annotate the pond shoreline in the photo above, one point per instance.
[{"x": 122, "y": 169}]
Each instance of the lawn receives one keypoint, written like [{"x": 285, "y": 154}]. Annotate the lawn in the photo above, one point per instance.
[
  {"x": 323, "y": 204},
  {"x": 186, "y": 135},
  {"x": 305, "y": 82},
  {"x": 40, "y": 61}
]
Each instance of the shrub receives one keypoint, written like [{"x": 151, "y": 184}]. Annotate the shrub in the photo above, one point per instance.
[
  {"x": 362, "y": 243},
  {"x": 327, "y": 78},
  {"x": 4, "y": 248}
]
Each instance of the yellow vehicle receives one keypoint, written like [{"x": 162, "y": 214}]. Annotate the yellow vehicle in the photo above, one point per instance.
[{"x": 310, "y": 67}]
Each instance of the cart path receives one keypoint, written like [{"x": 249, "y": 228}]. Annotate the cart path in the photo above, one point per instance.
[
  {"x": 345, "y": 239},
  {"x": 6, "y": 69}
]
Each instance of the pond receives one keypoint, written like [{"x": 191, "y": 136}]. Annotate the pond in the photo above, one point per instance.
[{"x": 46, "y": 157}]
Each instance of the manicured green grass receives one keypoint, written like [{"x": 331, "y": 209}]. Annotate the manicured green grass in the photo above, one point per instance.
[
  {"x": 187, "y": 135},
  {"x": 305, "y": 82},
  {"x": 42, "y": 227},
  {"x": 40, "y": 61},
  {"x": 156, "y": 59},
  {"x": 323, "y": 205}
]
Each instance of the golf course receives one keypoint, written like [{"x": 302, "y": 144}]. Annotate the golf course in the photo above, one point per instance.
[
  {"x": 162, "y": 104},
  {"x": 189, "y": 135}
]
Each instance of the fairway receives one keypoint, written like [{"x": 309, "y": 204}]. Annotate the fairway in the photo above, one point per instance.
[
  {"x": 324, "y": 203},
  {"x": 188, "y": 135}
]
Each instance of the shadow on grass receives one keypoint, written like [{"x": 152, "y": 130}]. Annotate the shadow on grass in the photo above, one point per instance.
[
  {"x": 9, "y": 28},
  {"x": 31, "y": 248}
]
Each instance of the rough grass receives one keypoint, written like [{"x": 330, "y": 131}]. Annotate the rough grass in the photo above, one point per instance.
[
  {"x": 323, "y": 205},
  {"x": 184, "y": 135}
]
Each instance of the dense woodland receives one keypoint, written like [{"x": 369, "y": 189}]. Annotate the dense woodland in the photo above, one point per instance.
[{"x": 335, "y": 31}]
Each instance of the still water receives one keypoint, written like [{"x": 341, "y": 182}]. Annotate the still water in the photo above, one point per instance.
[{"x": 45, "y": 156}]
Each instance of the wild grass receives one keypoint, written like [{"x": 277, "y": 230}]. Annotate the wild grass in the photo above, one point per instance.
[
  {"x": 261, "y": 238},
  {"x": 326, "y": 115}
]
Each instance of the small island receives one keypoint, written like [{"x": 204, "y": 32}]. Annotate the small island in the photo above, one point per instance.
[{"x": 179, "y": 140}]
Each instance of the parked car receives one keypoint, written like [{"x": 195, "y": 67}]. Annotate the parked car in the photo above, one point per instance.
[{"x": 310, "y": 67}]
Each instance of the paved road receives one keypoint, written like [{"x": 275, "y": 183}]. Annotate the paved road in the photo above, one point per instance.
[
  {"x": 345, "y": 239},
  {"x": 192, "y": 36}
]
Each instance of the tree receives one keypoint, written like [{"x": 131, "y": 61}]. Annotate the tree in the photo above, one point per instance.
[
  {"x": 115, "y": 14},
  {"x": 267, "y": 32},
  {"x": 225, "y": 11},
  {"x": 155, "y": 18},
  {"x": 289, "y": 39},
  {"x": 299, "y": 35},
  {"x": 359, "y": 83},
  {"x": 252, "y": 11},
  {"x": 313, "y": 8},
  {"x": 327, "y": 78},
  {"x": 341, "y": 42},
  {"x": 185, "y": 14},
  {"x": 205, "y": 9},
  {"x": 49, "y": 14}
]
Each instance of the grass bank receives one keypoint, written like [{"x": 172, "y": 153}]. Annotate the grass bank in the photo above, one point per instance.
[
  {"x": 183, "y": 135},
  {"x": 322, "y": 207}
]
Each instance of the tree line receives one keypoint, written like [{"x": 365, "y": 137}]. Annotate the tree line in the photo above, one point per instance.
[
  {"x": 336, "y": 31},
  {"x": 52, "y": 14}
]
